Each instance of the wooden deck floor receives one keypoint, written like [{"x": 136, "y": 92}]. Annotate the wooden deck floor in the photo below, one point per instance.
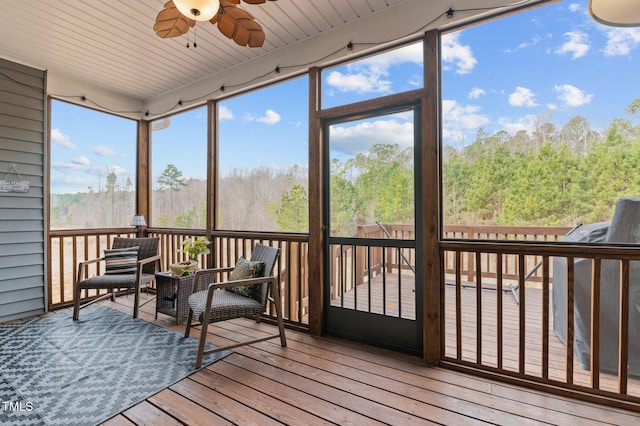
[
  {"x": 371, "y": 296},
  {"x": 330, "y": 381}
]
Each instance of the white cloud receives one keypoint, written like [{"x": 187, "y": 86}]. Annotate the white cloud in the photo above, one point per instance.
[
  {"x": 381, "y": 63},
  {"x": 361, "y": 137},
  {"x": 270, "y": 117},
  {"x": 534, "y": 40},
  {"x": 575, "y": 7},
  {"x": 225, "y": 113},
  {"x": 513, "y": 126},
  {"x": 105, "y": 151},
  {"x": 75, "y": 181},
  {"x": 571, "y": 95},
  {"x": 476, "y": 92},
  {"x": 522, "y": 97},
  {"x": 115, "y": 169},
  {"x": 577, "y": 45},
  {"x": 458, "y": 120},
  {"x": 60, "y": 139},
  {"x": 370, "y": 75},
  {"x": 365, "y": 82},
  {"x": 621, "y": 41},
  {"x": 81, "y": 161},
  {"x": 453, "y": 52}
]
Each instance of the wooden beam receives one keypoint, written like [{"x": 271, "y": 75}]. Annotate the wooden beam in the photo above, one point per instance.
[
  {"x": 316, "y": 209},
  {"x": 430, "y": 201},
  {"x": 47, "y": 207},
  {"x": 211, "y": 221},
  {"x": 143, "y": 175}
]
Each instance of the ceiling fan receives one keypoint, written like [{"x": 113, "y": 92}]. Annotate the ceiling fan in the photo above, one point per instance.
[{"x": 178, "y": 16}]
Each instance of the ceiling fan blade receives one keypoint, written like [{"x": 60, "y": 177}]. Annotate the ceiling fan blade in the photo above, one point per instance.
[
  {"x": 255, "y": 1},
  {"x": 240, "y": 26},
  {"x": 248, "y": 1},
  {"x": 171, "y": 23}
]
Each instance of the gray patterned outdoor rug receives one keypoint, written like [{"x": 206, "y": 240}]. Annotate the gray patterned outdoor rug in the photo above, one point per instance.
[{"x": 55, "y": 371}]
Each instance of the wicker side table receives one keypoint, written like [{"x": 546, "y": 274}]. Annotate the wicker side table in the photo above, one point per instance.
[{"x": 171, "y": 295}]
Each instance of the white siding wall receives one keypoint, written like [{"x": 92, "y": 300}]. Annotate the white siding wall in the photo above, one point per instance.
[{"x": 22, "y": 215}]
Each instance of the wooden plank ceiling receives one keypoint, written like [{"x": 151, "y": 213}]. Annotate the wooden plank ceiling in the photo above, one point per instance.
[{"x": 111, "y": 45}]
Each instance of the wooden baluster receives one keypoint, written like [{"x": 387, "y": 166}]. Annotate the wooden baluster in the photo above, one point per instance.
[
  {"x": 499, "y": 313},
  {"x": 521, "y": 315},
  {"x": 570, "y": 319},
  {"x": 623, "y": 362},
  {"x": 458, "y": 263},
  {"x": 545, "y": 316},
  {"x": 478, "y": 307},
  {"x": 596, "y": 277}
]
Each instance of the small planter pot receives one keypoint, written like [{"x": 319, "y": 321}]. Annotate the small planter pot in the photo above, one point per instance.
[{"x": 186, "y": 267}]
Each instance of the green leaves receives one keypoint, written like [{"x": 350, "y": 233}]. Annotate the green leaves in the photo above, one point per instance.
[
  {"x": 194, "y": 247},
  {"x": 293, "y": 213},
  {"x": 374, "y": 186},
  {"x": 171, "y": 178}
]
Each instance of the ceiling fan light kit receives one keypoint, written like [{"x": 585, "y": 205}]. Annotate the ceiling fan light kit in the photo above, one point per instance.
[
  {"x": 616, "y": 13},
  {"x": 198, "y": 10},
  {"x": 179, "y": 16}
]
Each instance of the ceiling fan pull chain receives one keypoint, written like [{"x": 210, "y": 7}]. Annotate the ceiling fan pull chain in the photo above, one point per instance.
[{"x": 195, "y": 37}]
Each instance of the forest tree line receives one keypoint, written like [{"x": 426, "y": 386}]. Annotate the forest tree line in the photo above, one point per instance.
[{"x": 546, "y": 177}]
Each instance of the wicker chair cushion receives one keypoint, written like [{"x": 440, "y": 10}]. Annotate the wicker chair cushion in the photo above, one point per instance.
[
  {"x": 225, "y": 305},
  {"x": 243, "y": 270},
  {"x": 121, "y": 261},
  {"x": 147, "y": 247},
  {"x": 109, "y": 281}
]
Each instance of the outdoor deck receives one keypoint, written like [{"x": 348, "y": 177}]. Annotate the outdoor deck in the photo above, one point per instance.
[
  {"x": 395, "y": 298},
  {"x": 318, "y": 380}
]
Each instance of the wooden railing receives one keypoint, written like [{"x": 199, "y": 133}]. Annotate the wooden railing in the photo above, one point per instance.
[
  {"x": 498, "y": 319},
  {"x": 291, "y": 269},
  {"x": 486, "y": 261},
  {"x": 68, "y": 248},
  {"x": 470, "y": 264},
  {"x": 516, "y": 339}
]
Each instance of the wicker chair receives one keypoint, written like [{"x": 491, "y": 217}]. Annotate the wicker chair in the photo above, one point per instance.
[
  {"x": 212, "y": 302},
  {"x": 142, "y": 273}
]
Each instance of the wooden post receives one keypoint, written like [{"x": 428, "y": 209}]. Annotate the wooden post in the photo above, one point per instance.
[
  {"x": 316, "y": 208},
  {"x": 212, "y": 179},
  {"x": 143, "y": 175},
  {"x": 430, "y": 199}
]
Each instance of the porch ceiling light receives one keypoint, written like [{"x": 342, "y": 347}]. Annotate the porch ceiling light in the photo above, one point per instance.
[
  {"x": 198, "y": 10},
  {"x": 617, "y": 13}
]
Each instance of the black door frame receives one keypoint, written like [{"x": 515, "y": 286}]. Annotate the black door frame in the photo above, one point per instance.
[{"x": 385, "y": 331}]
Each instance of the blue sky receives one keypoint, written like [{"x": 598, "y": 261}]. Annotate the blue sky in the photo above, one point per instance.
[
  {"x": 548, "y": 64},
  {"x": 551, "y": 63}
]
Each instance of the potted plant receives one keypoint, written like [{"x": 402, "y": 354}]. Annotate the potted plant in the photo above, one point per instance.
[{"x": 192, "y": 247}]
